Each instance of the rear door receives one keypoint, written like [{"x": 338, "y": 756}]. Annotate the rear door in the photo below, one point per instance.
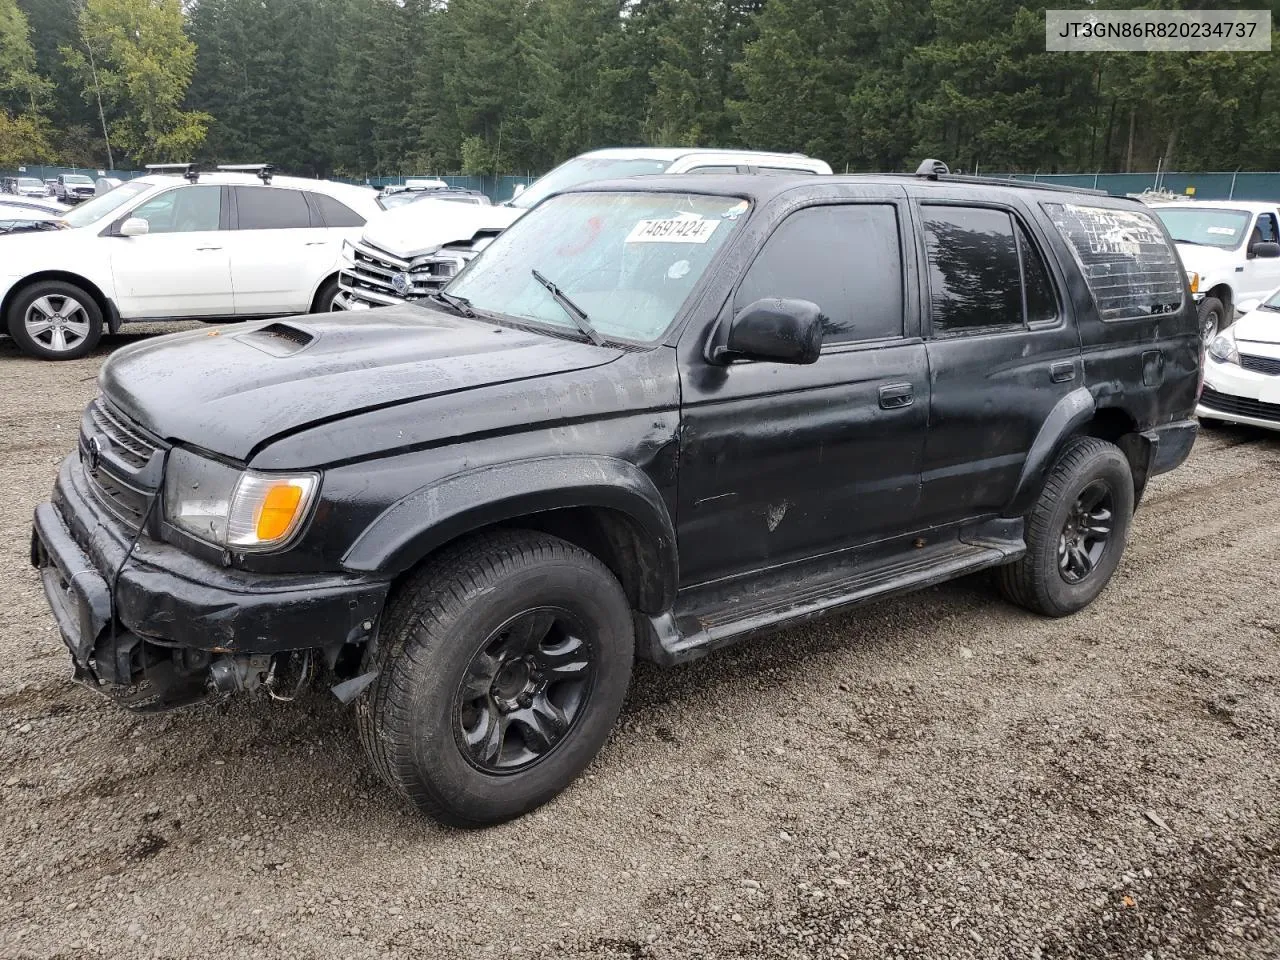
[
  {"x": 781, "y": 462},
  {"x": 280, "y": 250},
  {"x": 180, "y": 267},
  {"x": 1002, "y": 350}
]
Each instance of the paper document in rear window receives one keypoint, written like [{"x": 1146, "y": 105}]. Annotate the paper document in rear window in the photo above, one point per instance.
[{"x": 1130, "y": 268}]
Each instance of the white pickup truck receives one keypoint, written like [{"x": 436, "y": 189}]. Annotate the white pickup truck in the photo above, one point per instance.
[
  {"x": 1231, "y": 252},
  {"x": 414, "y": 250}
]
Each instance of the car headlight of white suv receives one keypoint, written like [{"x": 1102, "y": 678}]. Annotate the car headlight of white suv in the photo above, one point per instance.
[
  {"x": 1223, "y": 347},
  {"x": 229, "y": 507}
]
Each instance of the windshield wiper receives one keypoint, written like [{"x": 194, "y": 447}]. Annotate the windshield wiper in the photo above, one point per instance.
[
  {"x": 459, "y": 305},
  {"x": 575, "y": 312},
  {"x": 1194, "y": 243}
]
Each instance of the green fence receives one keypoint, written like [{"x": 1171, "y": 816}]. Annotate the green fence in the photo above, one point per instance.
[{"x": 1221, "y": 185}]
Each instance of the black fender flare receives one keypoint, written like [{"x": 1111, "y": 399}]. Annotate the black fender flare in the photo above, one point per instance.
[
  {"x": 445, "y": 509},
  {"x": 1068, "y": 414}
]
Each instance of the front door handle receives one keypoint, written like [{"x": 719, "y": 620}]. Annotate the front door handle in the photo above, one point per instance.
[
  {"x": 208, "y": 248},
  {"x": 895, "y": 396},
  {"x": 1062, "y": 372},
  {"x": 315, "y": 243}
]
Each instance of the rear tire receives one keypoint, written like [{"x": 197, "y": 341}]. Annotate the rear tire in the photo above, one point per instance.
[
  {"x": 1068, "y": 560},
  {"x": 327, "y": 293},
  {"x": 54, "y": 320},
  {"x": 504, "y": 663}
]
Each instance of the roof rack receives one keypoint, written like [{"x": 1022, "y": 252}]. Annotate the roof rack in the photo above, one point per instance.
[
  {"x": 263, "y": 171},
  {"x": 189, "y": 170},
  {"x": 937, "y": 170}
]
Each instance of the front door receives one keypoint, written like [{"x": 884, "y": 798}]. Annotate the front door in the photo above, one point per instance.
[
  {"x": 1260, "y": 275},
  {"x": 180, "y": 268},
  {"x": 781, "y": 462},
  {"x": 1001, "y": 354}
]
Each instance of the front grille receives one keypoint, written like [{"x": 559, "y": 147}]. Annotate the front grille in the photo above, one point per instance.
[
  {"x": 118, "y": 458},
  {"x": 375, "y": 277},
  {"x": 1260, "y": 364},
  {"x": 1240, "y": 406}
]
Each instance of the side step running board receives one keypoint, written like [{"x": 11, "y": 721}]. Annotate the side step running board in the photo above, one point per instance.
[{"x": 759, "y": 608}]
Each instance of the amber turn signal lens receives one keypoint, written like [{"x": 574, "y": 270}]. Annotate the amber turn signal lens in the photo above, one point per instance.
[{"x": 278, "y": 510}]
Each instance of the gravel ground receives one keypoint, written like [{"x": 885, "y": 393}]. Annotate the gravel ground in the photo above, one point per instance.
[{"x": 940, "y": 775}]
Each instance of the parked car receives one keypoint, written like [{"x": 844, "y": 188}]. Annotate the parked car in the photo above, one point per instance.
[
  {"x": 24, "y": 218},
  {"x": 51, "y": 187},
  {"x": 411, "y": 252},
  {"x": 1242, "y": 375},
  {"x": 654, "y": 417},
  {"x": 393, "y": 197},
  {"x": 105, "y": 185},
  {"x": 22, "y": 187},
  {"x": 1231, "y": 250},
  {"x": 211, "y": 246},
  {"x": 74, "y": 187}
]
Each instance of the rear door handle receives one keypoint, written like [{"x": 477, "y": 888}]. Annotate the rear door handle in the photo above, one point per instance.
[
  {"x": 1062, "y": 372},
  {"x": 895, "y": 396},
  {"x": 208, "y": 248},
  {"x": 316, "y": 243}
]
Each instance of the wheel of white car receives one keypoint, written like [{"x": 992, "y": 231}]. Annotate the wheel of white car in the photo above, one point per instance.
[
  {"x": 55, "y": 320},
  {"x": 325, "y": 297}
]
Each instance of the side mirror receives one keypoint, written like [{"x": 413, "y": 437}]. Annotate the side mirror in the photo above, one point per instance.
[
  {"x": 135, "y": 227},
  {"x": 1247, "y": 306},
  {"x": 782, "y": 331},
  {"x": 1264, "y": 249}
]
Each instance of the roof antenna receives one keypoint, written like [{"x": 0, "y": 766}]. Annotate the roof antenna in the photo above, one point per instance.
[{"x": 932, "y": 169}]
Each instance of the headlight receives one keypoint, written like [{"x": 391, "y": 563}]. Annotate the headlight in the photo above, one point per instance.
[
  {"x": 1223, "y": 347},
  {"x": 244, "y": 509},
  {"x": 349, "y": 252},
  {"x": 1193, "y": 279}
]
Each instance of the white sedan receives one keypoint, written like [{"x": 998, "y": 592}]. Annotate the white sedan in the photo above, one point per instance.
[{"x": 1242, "y": 370}]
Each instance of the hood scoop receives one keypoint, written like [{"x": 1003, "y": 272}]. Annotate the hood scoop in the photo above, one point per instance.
[{"x": 278, "y": 339}]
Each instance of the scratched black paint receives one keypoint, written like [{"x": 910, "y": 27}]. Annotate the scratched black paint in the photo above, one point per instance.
[{"x": 716, "y": 477}]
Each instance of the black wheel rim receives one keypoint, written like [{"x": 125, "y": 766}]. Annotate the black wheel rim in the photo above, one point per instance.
[
  {"x": 523, "y": 691},
  {"x": 1086, "y": 533}
]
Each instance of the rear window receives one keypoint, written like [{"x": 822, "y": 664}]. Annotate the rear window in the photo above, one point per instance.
[{"x": 1130, "y": 268}]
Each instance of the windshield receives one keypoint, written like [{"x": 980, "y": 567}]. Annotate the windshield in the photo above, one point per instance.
[
  {"x": 628, "y": 260},
  {"x": 583, "y": 170},
  {"x": 1272, "y": 302},
  {"x": 1208, "y": 228},
  {"x": 77, "y": 179},
  {"x": 94, "y": 210}
]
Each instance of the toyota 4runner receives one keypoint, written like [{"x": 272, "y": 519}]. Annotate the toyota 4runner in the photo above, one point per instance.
[{"x": 654, "y": 417}]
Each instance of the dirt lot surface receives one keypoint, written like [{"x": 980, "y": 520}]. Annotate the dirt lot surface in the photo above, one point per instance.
[{"x": 940, "y": 775}]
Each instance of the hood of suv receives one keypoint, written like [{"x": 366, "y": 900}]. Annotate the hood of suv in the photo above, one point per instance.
[
  {"x": 425, "y": 226},
  {"x": 231, "y": 389}
]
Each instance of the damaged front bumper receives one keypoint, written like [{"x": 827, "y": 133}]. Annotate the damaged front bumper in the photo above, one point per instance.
[{"x": 173, "y": 623}]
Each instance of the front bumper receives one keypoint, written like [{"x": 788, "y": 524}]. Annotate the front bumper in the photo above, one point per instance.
[
  {"x": 1242, "y": 396},
  {"x": 171, "y": 599}
]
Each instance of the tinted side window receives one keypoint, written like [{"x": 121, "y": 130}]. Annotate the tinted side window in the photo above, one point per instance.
[
  {"x": 1266, "y": 229},
  {"x": 1042, "y": 302},
  {"x": 847, "y": 259},
  {"x": 193, "y": 209},
  {"x": 974, "y": 280},
  {"x": 336, "y": 213},
  {"x": 271, "y": 208},
  {"x": 714, "y": 169}
]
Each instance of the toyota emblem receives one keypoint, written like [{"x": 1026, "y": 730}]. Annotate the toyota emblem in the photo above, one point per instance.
[{"x": 401, "y": 283}]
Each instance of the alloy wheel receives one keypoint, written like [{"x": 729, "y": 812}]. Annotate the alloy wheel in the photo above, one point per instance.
[
  {"x": 521, "y": 693},
  {"x": 58, "y": 323},
  {"x": 1086, "y": 533},
  {"x": 1209, "y": 326}
]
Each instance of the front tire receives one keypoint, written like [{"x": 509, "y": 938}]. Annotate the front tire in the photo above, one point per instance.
[
  {"x": 55, "y": 320},
  {"x": 1076, "y": 531},
  {"x": 504, "y": 663},
  {"x": 1212, "y": 314}
]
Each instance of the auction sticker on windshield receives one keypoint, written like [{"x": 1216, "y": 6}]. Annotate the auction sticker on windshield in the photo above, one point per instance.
[{"x": 674, "y": 230}]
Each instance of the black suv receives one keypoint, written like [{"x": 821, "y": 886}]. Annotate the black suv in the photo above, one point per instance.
[{"x": 656, "y": 416}]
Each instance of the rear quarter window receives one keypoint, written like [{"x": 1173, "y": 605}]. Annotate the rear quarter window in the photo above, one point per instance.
[{"x": 1131, "y": 270}]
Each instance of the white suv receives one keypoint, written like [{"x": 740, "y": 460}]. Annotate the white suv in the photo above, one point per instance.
[
  {"x": 214, "y": 246},
  {"x": 412, "y": 251},
  {"x": 1231, "y": 252}
]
